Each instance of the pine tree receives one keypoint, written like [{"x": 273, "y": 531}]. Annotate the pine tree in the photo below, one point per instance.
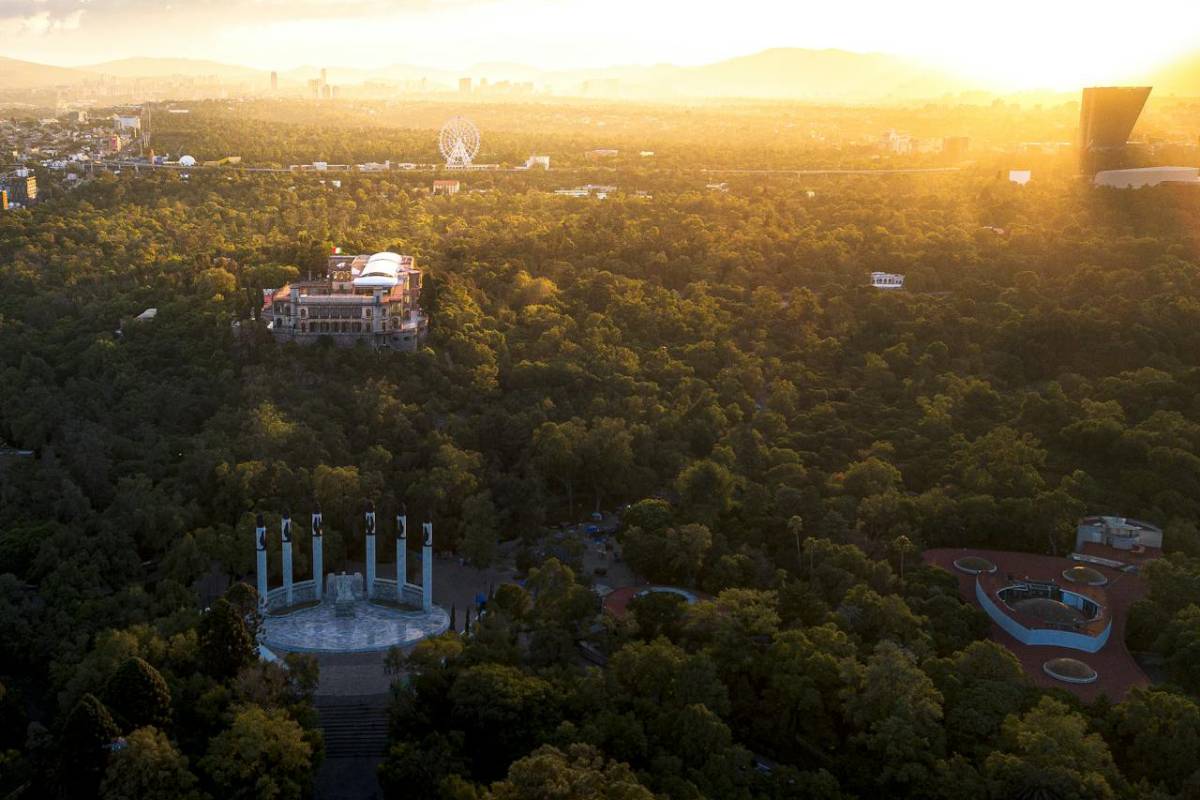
[
  {"x": 84, "y": 746},
  {"x": 479, "y": 530},
  {"x": 243, "y": 597},
  {"x": 225, "y": 645},
  {"x": 138, "y": 696}
]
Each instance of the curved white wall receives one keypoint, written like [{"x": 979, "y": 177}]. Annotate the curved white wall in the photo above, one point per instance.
[{"x": 1041, "y": 636}]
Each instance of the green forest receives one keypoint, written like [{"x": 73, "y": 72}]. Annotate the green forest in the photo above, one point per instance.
[{"x": 787, "y": 439}]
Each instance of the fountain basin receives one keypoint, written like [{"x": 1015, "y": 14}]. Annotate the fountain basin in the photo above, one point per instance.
[{"x": 360, "y": 627}]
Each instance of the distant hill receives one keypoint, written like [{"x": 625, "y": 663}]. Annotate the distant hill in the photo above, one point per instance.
[
  {"x": 506, "y": 71},
  {"x": 817, "y": 74},
  {"x": 16, "y": 74},
  {"x": 412, "y": 72},
  {"x": 784, "y": 73},
  {"x": 173, "y": 67},
  {"x": 780, "y": 73}
]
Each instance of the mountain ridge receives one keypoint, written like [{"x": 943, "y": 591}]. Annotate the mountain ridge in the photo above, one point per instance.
[
  {"x": 31, "y": 74},
  {"x": 151, "y": 67},
  {"x": 777, "y": 73}
]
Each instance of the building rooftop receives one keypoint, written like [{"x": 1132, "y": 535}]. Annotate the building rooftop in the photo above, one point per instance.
[
  {"x": 381, "y": 269},
  {"x": 1147, "y": 176},
  {"x": 1117, "y": 671},
  {"x": 385, "y": 270}
]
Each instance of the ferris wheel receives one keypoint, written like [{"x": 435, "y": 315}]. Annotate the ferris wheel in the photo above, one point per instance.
[{"x": 459, "y": 142}]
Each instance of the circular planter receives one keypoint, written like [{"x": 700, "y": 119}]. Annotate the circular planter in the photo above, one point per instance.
[
  {"x": 974, "y": 565},
  {"x": 1070, "y": 670},
  {"x": 1085, "y": 575}
]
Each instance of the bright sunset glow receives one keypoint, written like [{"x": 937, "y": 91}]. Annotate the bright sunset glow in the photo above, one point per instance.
[{"x": 1022, "y": 44}]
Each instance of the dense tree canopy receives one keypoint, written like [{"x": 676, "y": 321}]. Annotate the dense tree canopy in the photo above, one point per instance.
[{"x": 789, "y": 438}]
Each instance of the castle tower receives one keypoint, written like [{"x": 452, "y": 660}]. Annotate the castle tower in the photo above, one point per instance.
[
  {"x": 427, "y": 568},
  {"x": 370, "y": 549},
  {"x": 260, "y": 544},
  {"x": 318, "y": 557},
  {"x": 285, "y": 530}
]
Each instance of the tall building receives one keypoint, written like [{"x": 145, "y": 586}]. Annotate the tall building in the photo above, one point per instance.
[
  {"x": 274, "y": 81},
  {"x": 314, "y": 88},
  {"x": 464, "y": 85},
  {"x": 1106, "y": 118},
  {"x": 374, "y": 299},
  {"x": 20, "y": 187},
  {"x": 324, "y": 76},
  {"x": 899, "y": 143}
]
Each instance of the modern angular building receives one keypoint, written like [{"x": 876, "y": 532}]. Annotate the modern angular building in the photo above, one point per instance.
[
  {"x": 1106, "y": 118},
  {"x": 373, "y": 299}
]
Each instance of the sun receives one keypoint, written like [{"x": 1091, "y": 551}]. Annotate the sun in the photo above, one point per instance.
[
  {"x": 1065, "y": 67},
  {"x": 1055, "y": 48}
]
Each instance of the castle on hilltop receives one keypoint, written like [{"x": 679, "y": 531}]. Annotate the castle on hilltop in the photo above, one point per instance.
[{"x": 375, "y": 299}]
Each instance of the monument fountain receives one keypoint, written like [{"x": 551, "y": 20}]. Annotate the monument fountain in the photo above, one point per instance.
[{"x": 350, "y": 615}]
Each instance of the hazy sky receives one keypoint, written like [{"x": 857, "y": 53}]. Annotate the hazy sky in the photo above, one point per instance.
[{"x": 1055, "y": 43}]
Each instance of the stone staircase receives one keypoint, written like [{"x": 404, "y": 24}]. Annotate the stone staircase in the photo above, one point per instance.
[{"x": 354, "y": 727}]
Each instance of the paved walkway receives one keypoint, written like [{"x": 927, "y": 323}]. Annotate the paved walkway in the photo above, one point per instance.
[
  {"x": 352, "y": 699},
  {"x": 355, "y": 728},
  {"x": 352, "y": 674},
  {"x": 348, "y": 779}
]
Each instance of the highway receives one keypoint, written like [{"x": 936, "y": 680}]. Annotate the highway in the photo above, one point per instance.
[{"x": 435, "y": 168}]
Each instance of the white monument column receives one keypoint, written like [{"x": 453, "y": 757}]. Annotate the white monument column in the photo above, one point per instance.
[
  {"x": 285, "y": 530},
  {"x": 260, "y": 543},
  {"x": 401, "y": 553},
  {"x": 370, "y": 549},
  {"x": 318, "y": 558},
  {"x": 427, "y": 568}
]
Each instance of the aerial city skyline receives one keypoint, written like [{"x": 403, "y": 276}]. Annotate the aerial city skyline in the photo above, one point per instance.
[{"x": 526, "y": 399}]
